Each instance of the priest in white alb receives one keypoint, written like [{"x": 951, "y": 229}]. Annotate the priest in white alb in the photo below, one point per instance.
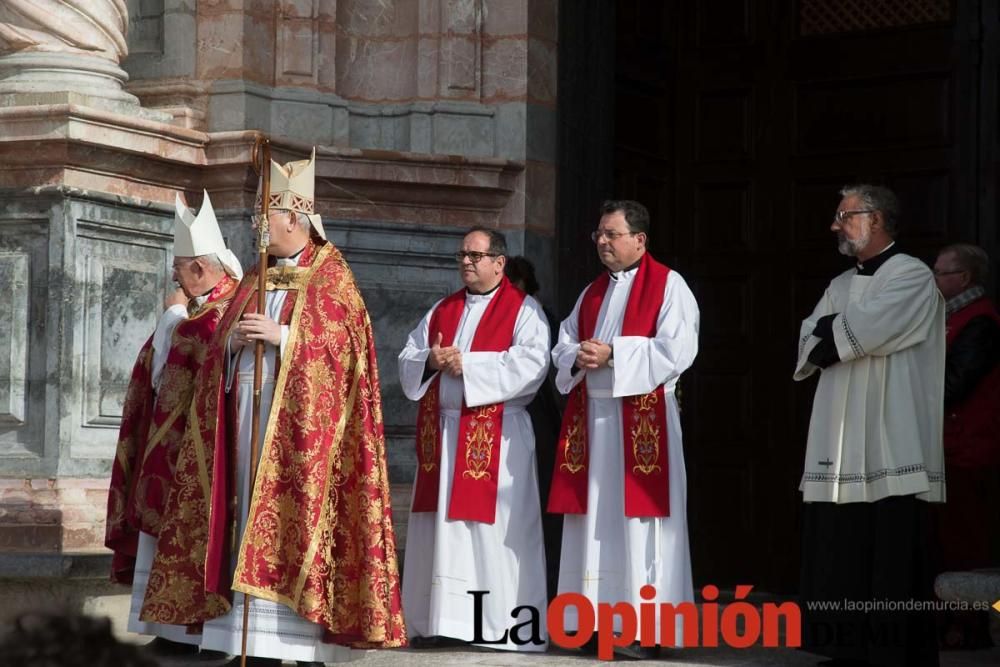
[
  {"x": 474, "y": 362},
  {"x": 874, "y": 457},
  {"x": 619, "y": 475}
]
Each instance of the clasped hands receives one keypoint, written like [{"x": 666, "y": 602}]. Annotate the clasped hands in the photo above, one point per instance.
[
  {"x": 593, "y": 353},
  {"x": 445, "y": 359},
  {"x": 175, "y": 298},
  {"x": 254, "y": 327}
]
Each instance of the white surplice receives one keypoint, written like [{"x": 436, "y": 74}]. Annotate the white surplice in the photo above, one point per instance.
[
  {"x": 877, "y": 415},
  {"x": 607, "y": 556},
  {"x": 445, "y": 558},
  {"x": 275, "y": 631}
]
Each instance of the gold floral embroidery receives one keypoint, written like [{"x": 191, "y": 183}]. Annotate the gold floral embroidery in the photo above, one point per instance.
[
  {"x": 287, "y": 278},
  {"x": 429, "y": 432},
  {"x": 645, "y": 434},
  {"x": 319, "y": 536},
  {"x": 575, "y": 444},
  {"x": 479, "y": 444}
]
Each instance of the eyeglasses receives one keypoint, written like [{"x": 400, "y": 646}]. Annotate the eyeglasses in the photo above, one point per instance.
[
  {"x": 609, "y": 235},
  {"x": 473, "y": 256},
  {"x": 947, "y": 273},
  {"x": 840, "y": 216},
  {"x": 257, "y": 219}
]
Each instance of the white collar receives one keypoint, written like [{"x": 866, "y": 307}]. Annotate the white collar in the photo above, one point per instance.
[
  {"x": 289, "y": 261},
  {"x": 625, "y": 274},
  {"x": 479, "y": 298}
]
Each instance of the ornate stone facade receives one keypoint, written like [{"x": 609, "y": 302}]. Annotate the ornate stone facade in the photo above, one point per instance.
[
  {"x": 429, "y": 116},
  {"x": 55, "y": 51}
]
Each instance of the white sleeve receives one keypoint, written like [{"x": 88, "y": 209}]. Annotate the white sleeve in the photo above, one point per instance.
[
  {"x": 412, "y": 360},
  {"x": 494, "y": 377},
  {"x": 284, "y": 340},
  {"x": 803, "y": 367},
  {"x": 168, "y": 322},
  {"x": 232, "y": 361},
  {"x": 900, "y": 314},
  {"x": 641, "y": 363},
  {"x": 567, "y": 346}
]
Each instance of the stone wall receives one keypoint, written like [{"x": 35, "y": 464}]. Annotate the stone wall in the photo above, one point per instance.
[
  {"x": 52, "y": 514},
  {"x": 428, "y": 116},
  {"x": 473, "y": 78}
]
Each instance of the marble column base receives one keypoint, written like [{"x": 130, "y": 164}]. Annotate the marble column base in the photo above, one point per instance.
[{"x": 29, "y": 79}]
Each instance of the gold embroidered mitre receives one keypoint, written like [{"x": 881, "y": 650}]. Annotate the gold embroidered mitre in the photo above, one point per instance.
[{"x": 293, "y": 187}]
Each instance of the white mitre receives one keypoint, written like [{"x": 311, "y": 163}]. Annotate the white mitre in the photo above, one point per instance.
[
  {"x": 293, "y": 189},
  {"x": 197, "y": 235}
]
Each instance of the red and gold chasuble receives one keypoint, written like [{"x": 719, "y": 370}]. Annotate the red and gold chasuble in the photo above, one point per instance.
[
  {"x": 477, "y": 458},
  {"x": 319, "y": 537},
  {"x": 644, "y": 427},
  {"x": 151, "y": 430}
]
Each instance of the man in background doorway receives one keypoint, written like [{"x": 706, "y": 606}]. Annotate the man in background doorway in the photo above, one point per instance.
[{"x": 966, "y": 526}]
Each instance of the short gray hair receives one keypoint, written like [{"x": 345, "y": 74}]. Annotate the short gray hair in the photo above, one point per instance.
[
  {"x": 300, "y": 218},
  {"x": 970, "y": 258},
  {"x": 877, "y": 198},
  {"x": 303, "y": 220},
  {"x": 212, "y": 261}
]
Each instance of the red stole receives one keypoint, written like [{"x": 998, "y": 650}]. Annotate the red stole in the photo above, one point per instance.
[
  {"x": 644, "y": 427},
  {"x": 477, "y": 460}
]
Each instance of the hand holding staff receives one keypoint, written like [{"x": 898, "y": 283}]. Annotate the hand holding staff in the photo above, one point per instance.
[{"x": 262, "y": 164}]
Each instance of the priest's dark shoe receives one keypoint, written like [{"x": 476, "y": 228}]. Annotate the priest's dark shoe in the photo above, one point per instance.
[
  {"x": 638, "y": 652},
  {"x": 166, "y": 647},
  {"x": 209, "y": 655},
  {"x": 590, "y": 646},
  {"x": 254, "y": 661},
  {"x": 424, "y": 642},
  {"x": 436, "y": 641}
]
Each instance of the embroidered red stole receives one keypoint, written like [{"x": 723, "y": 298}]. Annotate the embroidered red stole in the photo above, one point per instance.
[
  {"x": 644, "y": 427},
  {"x": 477, "y": 459}
]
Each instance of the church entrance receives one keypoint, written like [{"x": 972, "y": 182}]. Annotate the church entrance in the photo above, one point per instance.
[{"x": 736, "y": 122}]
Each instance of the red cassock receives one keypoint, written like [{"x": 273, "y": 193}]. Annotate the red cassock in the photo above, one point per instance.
[
  {"x": 319, "y": 538},
  {"x": 150, "y": 435}
]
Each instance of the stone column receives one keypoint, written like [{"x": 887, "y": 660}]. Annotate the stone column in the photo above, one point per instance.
[{"x": 64, "y": 51}]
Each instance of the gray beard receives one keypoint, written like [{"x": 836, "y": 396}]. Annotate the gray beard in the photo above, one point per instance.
[{"x": 853, "y": 248}]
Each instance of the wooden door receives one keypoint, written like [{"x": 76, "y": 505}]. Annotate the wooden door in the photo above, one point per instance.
[{"x": 736, "y": 122}]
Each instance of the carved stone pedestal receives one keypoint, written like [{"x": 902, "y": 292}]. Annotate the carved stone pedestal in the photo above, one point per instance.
[{"x": 66, "y": 52}]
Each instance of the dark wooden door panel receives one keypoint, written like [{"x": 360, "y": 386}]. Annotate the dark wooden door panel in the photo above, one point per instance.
[
  {"x": 774, "y": 106},
  {"x": 736, "y": 122}
]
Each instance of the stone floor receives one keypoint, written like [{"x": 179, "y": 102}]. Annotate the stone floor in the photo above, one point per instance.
[{"x": 761, "y": 657}]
